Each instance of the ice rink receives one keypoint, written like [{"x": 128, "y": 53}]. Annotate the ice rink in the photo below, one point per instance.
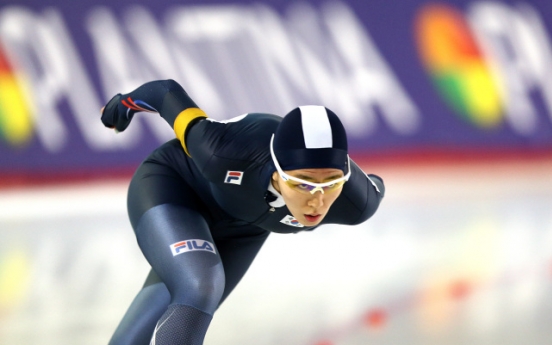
[{"x": 457, "y": 254}]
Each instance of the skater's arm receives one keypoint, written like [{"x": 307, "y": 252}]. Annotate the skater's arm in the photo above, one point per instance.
[{"x": 165, "y": 97}]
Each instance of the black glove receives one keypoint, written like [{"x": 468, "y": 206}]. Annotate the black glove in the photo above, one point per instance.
[
  {"x": 165, "y": 97},
  {"x": 116, "y": 115}
]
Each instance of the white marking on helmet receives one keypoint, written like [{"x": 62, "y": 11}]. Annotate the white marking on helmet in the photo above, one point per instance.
[{"x": 317, "y": 130}]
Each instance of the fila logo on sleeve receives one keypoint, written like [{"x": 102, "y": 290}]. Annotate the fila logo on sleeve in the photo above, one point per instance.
[{"x": 234, "y": 177}]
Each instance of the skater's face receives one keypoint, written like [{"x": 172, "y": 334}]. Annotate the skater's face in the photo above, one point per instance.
[{"x": 307, "y": 204}]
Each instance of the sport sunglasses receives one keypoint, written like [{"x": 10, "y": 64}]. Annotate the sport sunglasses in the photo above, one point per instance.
[{"x": 307, "y": 186}]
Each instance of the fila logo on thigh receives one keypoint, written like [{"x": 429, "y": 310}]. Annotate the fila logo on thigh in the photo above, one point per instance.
[{"x": 192, "y": 246}]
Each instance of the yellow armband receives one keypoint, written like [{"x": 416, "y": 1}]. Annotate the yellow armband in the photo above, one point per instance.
[{"x": 182, "y": 122}]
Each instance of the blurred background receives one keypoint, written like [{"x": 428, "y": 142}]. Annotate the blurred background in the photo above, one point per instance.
[{"x": 449, "y": 101}]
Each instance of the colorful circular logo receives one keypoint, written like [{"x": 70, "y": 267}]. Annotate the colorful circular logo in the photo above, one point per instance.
[
  {"x": 16, "y": 125},
  {"x": 458, "y": 68}
]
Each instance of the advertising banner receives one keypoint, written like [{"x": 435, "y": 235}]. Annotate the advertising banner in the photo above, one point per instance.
[{"x": 405, "y": 77}]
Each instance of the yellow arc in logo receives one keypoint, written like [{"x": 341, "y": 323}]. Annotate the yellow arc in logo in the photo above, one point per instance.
[{"x": 16, "y": 125}]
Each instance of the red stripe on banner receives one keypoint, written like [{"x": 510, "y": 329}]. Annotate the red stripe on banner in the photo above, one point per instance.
[
  {"x": 389, "y": 166},
  {"x": 235, "y": 173}
]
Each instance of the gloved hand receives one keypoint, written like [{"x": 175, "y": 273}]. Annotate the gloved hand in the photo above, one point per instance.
[
  {"x": 116, "y": 115},
  {"x": 165, "y": 97}
]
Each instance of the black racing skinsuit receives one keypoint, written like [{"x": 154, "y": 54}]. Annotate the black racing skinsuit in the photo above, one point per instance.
[{"x": 200, "y": 219}]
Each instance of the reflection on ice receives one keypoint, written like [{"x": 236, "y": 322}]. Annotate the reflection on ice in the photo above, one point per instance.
[{"x": 452, "y": 257}]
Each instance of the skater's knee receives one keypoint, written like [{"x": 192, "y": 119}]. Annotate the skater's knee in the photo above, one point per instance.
[{"x": 203, "y": 292}]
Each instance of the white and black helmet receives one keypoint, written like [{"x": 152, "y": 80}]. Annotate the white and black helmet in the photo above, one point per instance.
[{"x": 310, "y": 137}]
